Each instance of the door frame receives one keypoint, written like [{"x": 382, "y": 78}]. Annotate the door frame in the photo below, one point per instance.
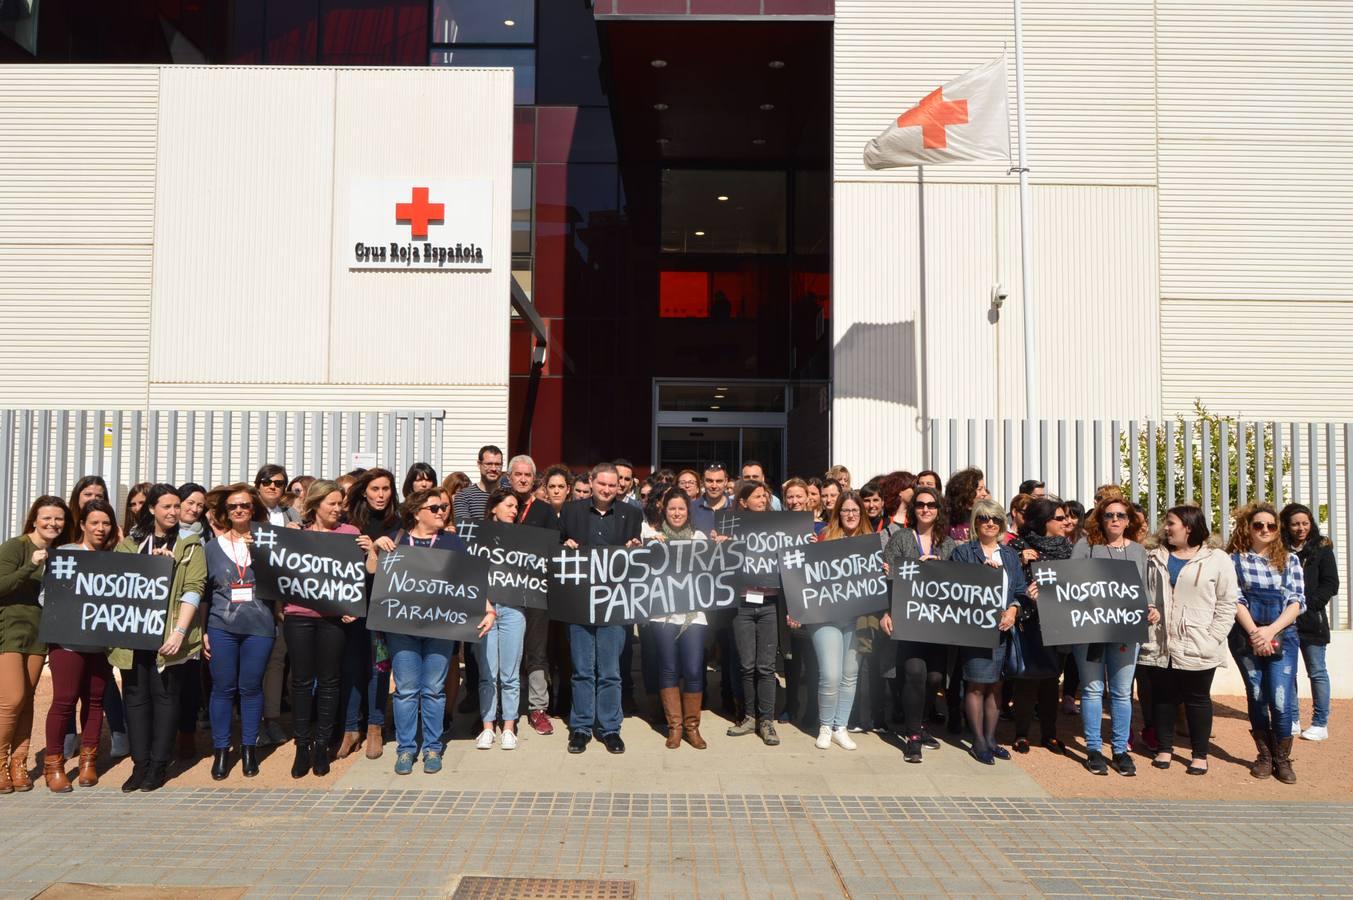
[{"x": 696, "y": 419}]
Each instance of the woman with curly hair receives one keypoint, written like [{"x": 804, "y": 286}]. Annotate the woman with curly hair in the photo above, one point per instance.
[
  {"x": 1264, "y": 642},
  {"x": 965, "y": 488}
]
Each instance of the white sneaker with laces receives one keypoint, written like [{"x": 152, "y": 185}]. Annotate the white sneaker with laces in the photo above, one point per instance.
[
  {"x": 485, "y": 740},
  {"x": 841, "y": 738},
  {"x": 121, "y": 746},
  {"x": 71, "y": 747},
  {"x": 509, "y": 740},
  {"x": 824, "y": 737},
  {"x": 1316, "y": 733}
]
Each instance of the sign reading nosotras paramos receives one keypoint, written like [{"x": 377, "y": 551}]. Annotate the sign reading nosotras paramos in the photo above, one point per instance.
[
  {"x": 93, "y": 598},
  {"x": 434, "y": 225},
  {"x": 952, "y": 603},
  {"x": 762, "y": 536},
  {"x": 428, "y": 592},
  {"x": 834, "y": 581},
  {"x": 319, "y": 570},
  {"x": 519, "y": 559},
  {"x": 1090, "y": 601}
]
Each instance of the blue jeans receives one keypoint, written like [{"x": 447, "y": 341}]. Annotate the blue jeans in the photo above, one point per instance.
[
  {"x": 680, "y": 660},
  {"x": 1117, "y": 666},
  {"x": 419, "y": 665},
  {"x": 1272, "y": 686},
  {"x": 838, "y": 666},
  {"x": 362, "y": 681},
  {"x": 237, "y": 663},
  {"x": 596, "y": 677},
  {"x": 499, "y": 653},
  {"x": 1314, "y": 655}
]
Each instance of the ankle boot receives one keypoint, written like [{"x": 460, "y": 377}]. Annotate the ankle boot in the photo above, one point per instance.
[
  {"x": 319, "y": 758},
  {"x": 249, "y": 760},
  {"x": 1263, "y": 763},
  {"x": 1282, "y": 761},
  {"x": 220, "y": 764},
  {"x": 138, "y": 775},
  {"x": 690, "y": 719},
  {"x": 671, "y": 707},
  {"x": 155, "y": 777},
  {"x": 18, "y": 772},
  {"x": 375, "y": 742},
  {"x": 352, "y": 740},
  {"x": 6, "y": 786},
  {"x": 89, "y": 770},
  {"x": 54, "y": 771}
]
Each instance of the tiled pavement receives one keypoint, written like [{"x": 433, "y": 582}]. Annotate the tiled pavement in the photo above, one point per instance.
[{"x": 418, "y": 843}]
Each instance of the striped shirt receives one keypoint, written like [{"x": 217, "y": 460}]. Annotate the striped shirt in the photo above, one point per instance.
[{"x": 470, "y": 503}]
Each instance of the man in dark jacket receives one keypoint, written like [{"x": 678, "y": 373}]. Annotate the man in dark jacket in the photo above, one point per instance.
[
  {"x": 521, "y": 477},
  {"x": 595, "y": 649}
]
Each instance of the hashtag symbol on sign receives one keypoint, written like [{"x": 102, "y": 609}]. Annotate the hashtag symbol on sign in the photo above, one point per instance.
[
  {"x": 908, "y": 570},
  {"x": 730, "y": 524},
  {"x": 1045, "y": 576},
  {"x": 570, "y": 567},
  {"x": 466, "y": 530},
  {"x": 391, "y": 559},
  {"x": 63, "y": 567},
  {"x": 794, "y": 559},
  {"x": 265, "y": 539}
]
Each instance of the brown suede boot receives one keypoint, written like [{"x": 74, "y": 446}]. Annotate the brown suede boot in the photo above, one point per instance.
[
  {"x": 54, "y": 771},
  {"x": 89, "y": 770},
  {"x": 351, "y": 743},
  {"x": 1282, "y": 761},
  {"x": 18, "y": 770},
  {"x": 375, "y": 742},
  {"x": 671, "y": 707},
  {"x": 6, "y": 786},
  {"x": 690, "y": 709},
  {"x": 1263, "y": 764}
]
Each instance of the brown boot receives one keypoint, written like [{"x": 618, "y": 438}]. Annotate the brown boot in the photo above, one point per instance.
[
  {"x": 18, "y": 771},
  {"x": 351, "y": 743},
  {"x": 671, "y": 707},
  {"x": 89, "y": 770},
  {"x": 1282, "y": 761},
  {"x": 6, "y": 786},
  {"x": 690, "y": 710},
  {"x": 1263, "y": 764},
  {"x": 375, "y": 742},
  {"x": 54, "y": 770}
]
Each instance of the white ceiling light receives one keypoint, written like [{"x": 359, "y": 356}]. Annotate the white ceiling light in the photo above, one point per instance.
[
  {"x": 661, "y": 107},
  {"x": 758, "y": 141},
  {"x": 509, "y": 22},
  {"x": 721, "y": 197},
  {"x": 699, "y": 234},
  {"x": 658, "y": 63},
  {"x": 777, "y": 64},
  {"x": 767, "y": 107},
  {"x": 662, "y": 142}
]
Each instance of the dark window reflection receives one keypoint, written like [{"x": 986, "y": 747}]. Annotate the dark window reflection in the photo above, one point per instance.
[
  {"x": 521, "y": 210},
  {"x": 723, "y": 211},
  {"x": 522, "y": 63},
  {"x": 483, "y": 21}
]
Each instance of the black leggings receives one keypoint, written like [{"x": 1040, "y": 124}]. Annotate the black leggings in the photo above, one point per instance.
[
  {"x": 152, "y": 707},
  {"x": 921, "y": 669},
  {"x": 1042, "y": 691},
  {"x": 1169, "y": 688},
  {"x": 316, "y": 647}
]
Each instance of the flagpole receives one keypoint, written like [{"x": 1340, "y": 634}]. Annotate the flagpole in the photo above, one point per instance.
[{"x": 1026, "y": 262}]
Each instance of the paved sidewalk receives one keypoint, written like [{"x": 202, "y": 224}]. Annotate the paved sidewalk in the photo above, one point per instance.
[{"x": 420, "y": 843}]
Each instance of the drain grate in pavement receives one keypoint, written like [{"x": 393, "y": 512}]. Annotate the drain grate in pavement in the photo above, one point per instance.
[{"x": 475, "y": 887}]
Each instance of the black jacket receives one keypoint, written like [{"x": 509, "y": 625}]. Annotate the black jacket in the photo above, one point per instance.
[
  {"x": 578, "y": 521},
  {"x": 1322, "y": 583},
  {"x": 540, "y": 514}
]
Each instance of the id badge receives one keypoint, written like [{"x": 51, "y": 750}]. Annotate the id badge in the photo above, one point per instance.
[
  {"x": 756, "y": 597},
  {"x": 242, "y": 592}
]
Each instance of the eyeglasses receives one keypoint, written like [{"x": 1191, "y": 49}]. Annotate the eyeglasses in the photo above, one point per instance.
[
  {"x": 436, "y": 508},
  {"x": 235, "y": 506},
  {"x": 990, "y": 520},
  {"x": 1263, "y": 526},
  {"x": 1115, "y": 515},
  {"x": 925, "y": 504},
  {"x": 1059, "y": 518},
  {"x": 272, "y": 482}
]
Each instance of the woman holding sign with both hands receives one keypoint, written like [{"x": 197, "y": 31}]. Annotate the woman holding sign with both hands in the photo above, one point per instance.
[{"x": 499, "y": 651}]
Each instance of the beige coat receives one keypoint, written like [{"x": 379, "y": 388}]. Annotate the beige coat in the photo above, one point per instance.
[{"x": 1196, "y": 614}]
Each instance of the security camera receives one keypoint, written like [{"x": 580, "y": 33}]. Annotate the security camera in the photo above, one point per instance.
[{"x": 998, "y": 295}]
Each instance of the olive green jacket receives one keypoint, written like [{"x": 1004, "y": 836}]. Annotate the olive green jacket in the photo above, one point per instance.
[{"x": 189, "y": 580}]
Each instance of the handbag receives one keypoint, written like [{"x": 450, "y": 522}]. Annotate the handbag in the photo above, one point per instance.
[
  {"x": 1025, "y": 655},
  {"x": 1240, "y": 645}
]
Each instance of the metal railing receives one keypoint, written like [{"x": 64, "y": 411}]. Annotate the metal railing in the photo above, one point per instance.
[
  {"x": 1216, "y": 463},
  {"x": 45, "y": 451}
]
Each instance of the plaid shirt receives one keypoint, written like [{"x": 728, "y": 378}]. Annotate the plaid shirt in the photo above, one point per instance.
[{"x": 1254, "y": 571}]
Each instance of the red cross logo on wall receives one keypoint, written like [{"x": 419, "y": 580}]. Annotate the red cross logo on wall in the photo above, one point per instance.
[
  {"x": 933, "y": 114},
  {"x": 418, "y": 212}
]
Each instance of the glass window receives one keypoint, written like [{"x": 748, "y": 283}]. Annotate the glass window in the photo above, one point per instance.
[
  {"x": 721, "y": 211},
  {"x": 483, "y": 21},
  {"x": 730, "y": 396},
  {"x": 522, "y": 63},
  {"x": 521, "y": 210}
]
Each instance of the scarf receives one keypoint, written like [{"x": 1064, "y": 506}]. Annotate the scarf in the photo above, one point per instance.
[
  {"x": 1049, "y": 548},
  {"x": 677, "y": 534}
]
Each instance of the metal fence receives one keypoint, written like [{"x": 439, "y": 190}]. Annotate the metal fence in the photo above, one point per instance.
[
  {"x": 1218, "y": 464},
  {"x": 46, "y": 451}
]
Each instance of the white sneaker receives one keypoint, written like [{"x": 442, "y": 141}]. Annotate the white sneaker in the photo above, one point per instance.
[
  {"x": 842, "y": 739},
  {"x": 121, "y": 746},
  {"x": 1296, "y": 727},
  {"x": 485, "y": 740},
  {"x": 72, "y": 746},
  {"x": 1316, "y": 733},
  {"x": 824, "y": 737},
  {"x": 509, "y": 740}
]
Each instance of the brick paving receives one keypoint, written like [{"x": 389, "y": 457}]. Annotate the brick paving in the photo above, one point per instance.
[{"x": 383, "y": 843}]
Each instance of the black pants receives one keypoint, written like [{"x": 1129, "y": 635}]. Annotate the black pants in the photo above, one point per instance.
[
  {"x": 1169, "y": 688},
  {"x": 870, "y": 710},
  {"x": 190, "y": 698},
  {"x": 152, "y": 707},
  {"x": 920, "y": 669},
  {"x": 316, "y": 648},
  {"x": 1042, "y": 691},
  {"x": 755, "y": 634}
]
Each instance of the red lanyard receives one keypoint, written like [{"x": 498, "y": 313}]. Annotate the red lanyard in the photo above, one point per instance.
[
  {"x": 234, "y": 549},
  {"x": 529, "y": 503}
]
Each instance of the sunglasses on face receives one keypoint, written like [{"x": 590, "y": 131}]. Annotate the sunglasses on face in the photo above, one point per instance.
[
  {"x": 925, "y": 504},
  {"x": 1115, "y": 515},
  {"x": 1059, "y": 518},
  {"x": 234, "y": 506},
  {"x": 436, "y": 508},
  {"x": 273, "y": 482},
  {"x": 990, "y": 520},
  {"x": 1263, "y": 526}
]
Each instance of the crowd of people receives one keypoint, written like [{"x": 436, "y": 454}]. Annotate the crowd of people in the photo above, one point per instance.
[{"x": 232, "y": 660}]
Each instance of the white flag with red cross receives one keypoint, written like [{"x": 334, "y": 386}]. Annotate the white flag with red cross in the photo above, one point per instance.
[{"x": 966, "y": 118}]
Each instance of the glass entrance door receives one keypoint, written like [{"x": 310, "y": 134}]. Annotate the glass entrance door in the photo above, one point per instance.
[
  {"x": 728, "y": 422},
  {"x": 682, "y": 447}
]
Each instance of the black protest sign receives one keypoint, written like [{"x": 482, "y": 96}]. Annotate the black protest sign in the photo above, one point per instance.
[
  {"x": 97, "y": 599},
  {"x": 763, "y": 535},
  {"x": 319, "y": 570},
  {"x": 951, "y": 603},
  {"x": 1090, "y": 601},
  {"x": 624, "y": 585},
  {"x": 428, "y": 592},
  {"x": 834, "y": 581},
  {"x": 518, "y": 557}
]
